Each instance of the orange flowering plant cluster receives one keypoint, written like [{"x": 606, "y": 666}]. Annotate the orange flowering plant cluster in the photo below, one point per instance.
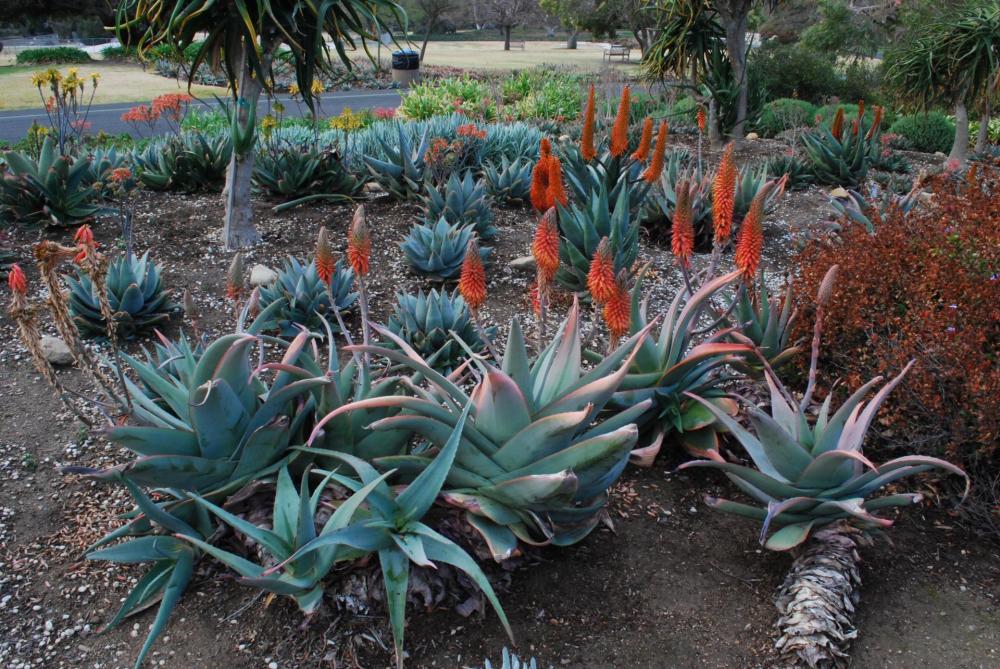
[
  {"x": 172, "y": 108},
  {"x": 925, "y": 286}
]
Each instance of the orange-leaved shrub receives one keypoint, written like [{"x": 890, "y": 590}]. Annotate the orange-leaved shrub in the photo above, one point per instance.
[{"x": 924, "y": 286}]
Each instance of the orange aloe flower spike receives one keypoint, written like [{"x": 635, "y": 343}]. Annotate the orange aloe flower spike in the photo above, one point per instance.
[
  {"x": 682, "y": 230},
  {"x": 324, "y": 257},
  {"x": 16, "y": 281},
  {"x": 359, "y": 243},
  {"x": 618, "y": 311},
  {"x": 723, "y": 196},
  {"x": 234, "y": 278},
  {"x": 702, "y": 120},
  {"x": 601, "y": 276},
  {"x": 652, "y": 173},
  {"x": 619, "y": 131},
  {"x": 837, "y": 128},
  {"x": 751, "y": 242},
  {"x": 545, "y": 246},
  {"x": 587, "y": 149},
  {"x": 645, "y": 142},
  {"x": 472, "y": 283},
  {"x": 557, "y": 190}
]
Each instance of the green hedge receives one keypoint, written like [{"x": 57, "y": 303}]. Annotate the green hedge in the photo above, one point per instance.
[
  {"x": 928, "y": 132},
  {"x": 784, "y": 114},
  {"x": 52, "y": 54},
  {"x": 118, "y": 52}
]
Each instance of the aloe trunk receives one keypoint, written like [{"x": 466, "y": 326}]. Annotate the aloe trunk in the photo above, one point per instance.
[
  {"x": 818, "y": 598},
  {"x": 734, "y": 15},
  {"x": 960, "y": 147},
  {"x": 983, "y": 136}
]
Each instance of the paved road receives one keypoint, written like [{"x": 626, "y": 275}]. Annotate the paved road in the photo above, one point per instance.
[{"x": 107, "y": 117}]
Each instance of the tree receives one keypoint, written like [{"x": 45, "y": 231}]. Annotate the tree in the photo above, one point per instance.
[
  {"x": 951, "y": 61},
  {"x": 844, "y": 29},
  {"x": 508, "y": 14},
  {"x": 434, "y": 11},
  {"x": 242, "y": 38},
  {"x": 579, "y": 15}
]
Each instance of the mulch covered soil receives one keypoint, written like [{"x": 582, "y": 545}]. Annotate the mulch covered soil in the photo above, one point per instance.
[{"x": 668, "y": 584}]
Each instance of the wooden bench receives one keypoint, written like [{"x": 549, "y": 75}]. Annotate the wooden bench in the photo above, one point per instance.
[
  {"x": 517, "y": 44},
  {"x": 620, "y": 51}
]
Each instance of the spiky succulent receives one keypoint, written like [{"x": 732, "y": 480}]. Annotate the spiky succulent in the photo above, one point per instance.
[
  {"x": 54, "y": 190},
  {"x": 805, "y": 476},
  {"x": 671, "y": 364},
  {"x": 102, "y": 163},
  {"x": 510, "y": 183},
  {"x": 841, "y": 155},
  {"x": 429, "y": 322},
  {"x": 191, "y": 162},
  {"x": 210, "y": 434},
  {"x": 766, "y": 321},
  {"x": 532, "y": 464},
  {"x": 403, "y": 174},
  {"x": 853, "y": 206},
  {"x": 174, "y": 359},
  {"x": 306, "y": 297},
  {"x": 583, "y": 225},
  {"x": 296, "y": 174},
  {"x": 436, "y": 250},
  {"x": 135, "y": 294},
  {"x": 510, "y": 660},
  {"x": 752, "y": 181},
  {"x": 660, "y": 208},
  {"x": 461, "y": 201},
  {"x": 798, "y": 171}
]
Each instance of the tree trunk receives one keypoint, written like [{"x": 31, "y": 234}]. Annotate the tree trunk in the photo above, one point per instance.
[
  {"x": 960, "y": 147},
  {"x": 427, "y": 37},
  {"x": 736, "y": 46},
  {"x": 818, "y": 597},
  {"x": 983, "y": 136},
  {"x": 506, "y": 38},
  {"x": 571, "y": 40},
  {"x": 714, "y": 136},
  {"x": 238, "y": 228},
  {"x": 640, "y": 38}
]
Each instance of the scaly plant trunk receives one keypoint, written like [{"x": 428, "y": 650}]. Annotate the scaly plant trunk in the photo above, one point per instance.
[
  {"x": 818, "y": 598},
  {"x": 736, "y": 46},
  {"x": 238, "y": 229},
  {"x": 983, "y": 136},
  {"x": 960, "y": 147},
  {"x": 714, "y": 136},
  {"x": 571, "y": 40}
]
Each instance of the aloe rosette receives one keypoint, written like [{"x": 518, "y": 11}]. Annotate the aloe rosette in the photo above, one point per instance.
[{"x": 532, "y": 465}]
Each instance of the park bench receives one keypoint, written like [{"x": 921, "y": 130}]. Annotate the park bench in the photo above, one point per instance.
[{"x": 620, "y": 51}]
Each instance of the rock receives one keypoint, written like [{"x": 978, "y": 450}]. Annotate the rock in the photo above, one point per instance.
[
  {"x": 940, "y": 154},
  {"x": 262, "y": 275},
  {"x": 373, "y": 187},
  {"x": 752, "y": 136},
  {"x": 565, "y": 139},
  {"x": 524, "y": 264},
  {"x": 55, "y": 350}
]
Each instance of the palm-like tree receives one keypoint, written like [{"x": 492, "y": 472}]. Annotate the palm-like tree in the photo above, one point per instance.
[
  {"x": 952, "y": 61},
  {"x": 242, "y": 37}
]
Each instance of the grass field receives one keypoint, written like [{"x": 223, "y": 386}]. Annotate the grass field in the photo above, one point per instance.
[
  {"x": 129, "y": 83},
  {"x": 118, "y": 83}
]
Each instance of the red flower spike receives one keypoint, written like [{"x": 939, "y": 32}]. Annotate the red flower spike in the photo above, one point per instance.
[
  {"x": 545, "y": 246},
  {"x": 723, "y": 196},
  {"x": 359, "y": 243},
  {"x": 587, "y": 149},
  {"x": 16, "y": 281},
  {"x": 619, "y": 131},
  {"x": 325, "y": 264},
  {"x": 540, "y": 183},
  {"x": 472, "y": 284},
  {"x": 645, "y": 142},
  {"x": 652, "y": 173},
  {"x": 618, "y": 311},
  {"x": 601, "y": 277},
  {"x": 682, "y": 230},
  {"x": 557, "y": 190},
  {"x": 751, "y": 242}
]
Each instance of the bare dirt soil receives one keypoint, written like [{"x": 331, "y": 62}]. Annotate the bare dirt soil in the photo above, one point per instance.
[{"x": 672, "y": 585}]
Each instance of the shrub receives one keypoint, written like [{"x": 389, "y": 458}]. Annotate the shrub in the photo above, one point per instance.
[
  {"x": 684, "y": 111},
  {"x": 928, "y": 132},
  {"x": 795, "y": 72},
  {"x": 52, "y": 54},
  {"x": 924, "y": 286},
  {"x": 784, "y": 114},
  {"x": 117, "y": 52}
]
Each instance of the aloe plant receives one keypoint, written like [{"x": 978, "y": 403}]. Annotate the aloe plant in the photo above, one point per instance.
[
  {"x": 438, "y": 326},
  {"x": 306, "y": 299},
  {"x": 188, "y": 163},
  {"x": 510, "y": 182},
  {"x": 436, "y": 250},
  {"x": 767, "y": 321},
  {"x": 403, "y": 173},
  {"x": 296, "y": 175},
  {"x": 461, "y": 201},
  {"x": 532, "y": 464},
  {"x": 54, "y": 190}
]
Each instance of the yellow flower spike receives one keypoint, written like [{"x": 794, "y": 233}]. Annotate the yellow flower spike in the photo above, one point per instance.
[
  {"x": 95, "y": 77},
  {"x": 317, "y": 87}
]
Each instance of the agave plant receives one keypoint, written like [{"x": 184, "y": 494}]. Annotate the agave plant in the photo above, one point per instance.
[
  {"x": 54, "y": 190},
  {"x": 437, "y": 250},
  {"x": 582, "y": 227},
  {"x": 510, "y": 183},
  {"x": 210, "y": 435},
  {"x": 174, "y": 359},
  {"x": 135, "y": 294},
  {"x": 841, "y": 155},
  {"x": 403, "y": 173},
  {"x": 102, "y": 163},
  {"x": 670, "y": 365},
  {"x": 510, "y": 660},
  {"x": 189, "y": 163},
  {"x": 306, "y": 298},
  {"x": 532, "y": 465},
  {"x": 813, "y": 482},
  {"x": 393, "y": 526},
  {"x": 750, "y": 183},
  {"x": 296, "y": 174},
  {"x": 852, "y": 206},
  {"x": 767, "y": 322},
  {"x": 797, "y": 170},
  {"x": 430, "y": 323},
  {"x": 463, "y": 202},
  {"x": 614, "y": 176}
]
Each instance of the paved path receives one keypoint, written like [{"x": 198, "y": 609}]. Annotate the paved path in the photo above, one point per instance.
[{"x": 107, "y": 117}]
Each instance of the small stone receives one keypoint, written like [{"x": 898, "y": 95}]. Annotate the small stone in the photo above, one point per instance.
[
  {"x": 55, "y": 350},
  {"x": 940, "y": 154},
  {"x": 523, "y": 264},
  {"x": 262, "y": 275},
  {"x": 373, "y": 187},
  {"x": 752, "y": 136}
]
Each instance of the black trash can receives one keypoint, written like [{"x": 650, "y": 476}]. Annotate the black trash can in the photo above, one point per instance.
[{"x": 405, "y": 66}]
